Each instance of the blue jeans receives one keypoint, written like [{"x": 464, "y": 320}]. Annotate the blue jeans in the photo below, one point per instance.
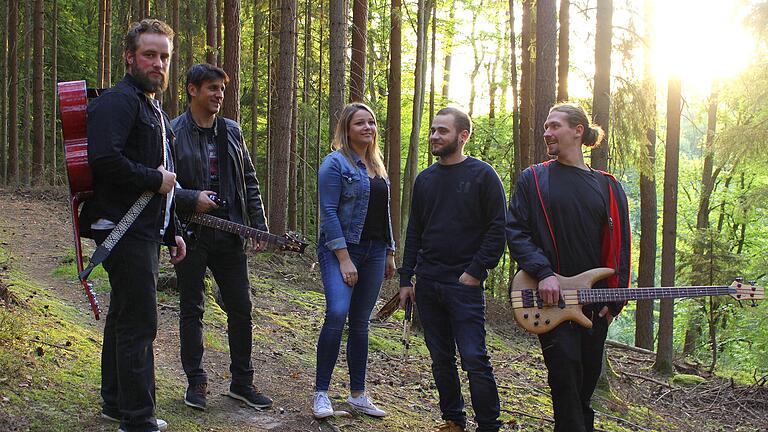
[
  {"x": 453, "y": 315},
  {"x": 341, "y": 301}
]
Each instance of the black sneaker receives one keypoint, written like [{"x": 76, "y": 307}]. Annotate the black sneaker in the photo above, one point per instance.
[
  {"x": 250, "y": 395},
  {"x": 195, "y": 396}
]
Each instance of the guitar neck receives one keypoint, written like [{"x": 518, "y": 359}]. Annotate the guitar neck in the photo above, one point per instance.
[
  {"x": 602, "y": 295},
  {"x": 235, "y": 228}
]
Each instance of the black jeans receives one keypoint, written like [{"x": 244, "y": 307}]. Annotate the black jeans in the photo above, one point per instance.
[
  {"x": 127, "y": 358},
  {"x": 453, "y": 315},
  {"x": 223, "y": 253},
  {"x": 574, "y": 359}
]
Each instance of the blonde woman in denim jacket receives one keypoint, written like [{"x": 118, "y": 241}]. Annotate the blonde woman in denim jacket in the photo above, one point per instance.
[{"x": 355, "y": 250}]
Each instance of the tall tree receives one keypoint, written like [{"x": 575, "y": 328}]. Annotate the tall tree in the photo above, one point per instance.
[
  {"x": 292, "y": 167},
  {"x": 232, "y": 58},
  {"x": 3, "y": 99},
  {"x": 665, "y": 351},
  {"x": 646, "y": 274},
  {"x": 359, "y": 42},
  {"x": 412, "y": 160},
  {"x": 305, "y": 89},
  {"x": 601, "y": 99},
  {"x": 448, "y": 49},
  {"x": 517, "y": 165},
  {"x": 432, "y": 73},
  {"x": 189, "y": 57},
  {"x": 527, "y": 75},
  {"x": 211, "y": 45},
  {"x": 107, "y": 44},
  {"x": 394, "y": 100},
  {"x": 563, "y": 47},
  {"x": 281, "y": 119},
  {"x": 173, "y": 106},
  {"x": 26, "y": 115},
  {"x": 257, "y": 23},
  {"x": 219, "y": 30},
  {"x": 54, "y": 98},
  {"x": 546, "y": 53},
  {"x": 38, "y": 104},
  {"x": 337, "y": 47},
  {"x": 12, "y": 176},
  {"x": 477, "y": 54},
  {"x": 101, "y": 45}
]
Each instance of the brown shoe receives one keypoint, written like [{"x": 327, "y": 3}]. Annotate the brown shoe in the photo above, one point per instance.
[{"x": 450, "y": 426}]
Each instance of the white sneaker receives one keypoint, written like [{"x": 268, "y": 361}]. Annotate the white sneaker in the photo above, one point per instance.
[
  {"x": 365, "y": 406},
  {"x": 322, "y": 406},
  {"x": 161, "y": 426}
]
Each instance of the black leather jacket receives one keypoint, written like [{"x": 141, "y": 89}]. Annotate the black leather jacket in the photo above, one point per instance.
[
  {"x": 193, "y": 176},
  {"x": 124, "y": 151}
]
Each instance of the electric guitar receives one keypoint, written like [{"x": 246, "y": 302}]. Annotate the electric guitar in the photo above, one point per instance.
[
  {"x": 73, "y": 102},
  {"x": 287, "y": 242},
  {"x": 531, "y": 313}
]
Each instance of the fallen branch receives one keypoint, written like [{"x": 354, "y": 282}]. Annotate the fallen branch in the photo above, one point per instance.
[
  {"x": 619, "y": 419},
  {"x": 643, "y": 377},
  {"x": 525, "y": 414},
  {"x": 616, "y": 344}
]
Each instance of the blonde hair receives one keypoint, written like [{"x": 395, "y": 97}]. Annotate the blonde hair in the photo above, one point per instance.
[{"x": 341, "y": 143}]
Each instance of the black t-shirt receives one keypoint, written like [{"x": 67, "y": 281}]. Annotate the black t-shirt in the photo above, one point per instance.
[
  {"x": 376, "y": 221},
  {"x": 579, "y": 201}
]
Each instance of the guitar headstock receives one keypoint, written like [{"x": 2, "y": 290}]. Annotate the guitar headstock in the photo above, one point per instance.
[
  {"x": 747, "y": 291},
  {"x": 294, "y": 242}
]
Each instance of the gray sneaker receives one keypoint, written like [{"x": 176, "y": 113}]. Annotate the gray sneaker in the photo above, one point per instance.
[
  {"x": 365, "y": 406},
  {"x": 322, "y": 407},
  {"x": 161, "y": 426}
]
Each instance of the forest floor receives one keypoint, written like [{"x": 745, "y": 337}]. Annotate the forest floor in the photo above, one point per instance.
[{"x": 50, "y": 345}]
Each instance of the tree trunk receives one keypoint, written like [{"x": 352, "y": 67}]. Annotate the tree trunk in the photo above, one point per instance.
[
  {"x": 517, "y": 166},
  {"x": 292, "y": 171},
  {"x": 707, "y": 186},
  {"x": 4, "y": 101},
  {"x": 305, "y": 201},
  {"x": 320, "y": 34},
  {"x": 257, "y": 23},
  {"x": 448, "y": 49},
  {"x": 26, "y": 109},
  {"x": 546, "y": 53},
  {"x": 232, "y": 59},
  {"x": 412, "y": 160},
  {"x": 527, "y": 76},
  {"x": 219, "y": 30},
  {"x": 665, "y": 348},
  {"x": 102, "y": 42},
  {"x": 107, "y": 45},
  {"x": 646, "y": 274},
  {"x": 38, "y": 103},
  {"x": 394, "y": 116},
  {"x": 601, "y": 99},
  {"x": 173, "y": 103},
  {"x": 282, "y": 118},
  {"x": 12, "y": 168},
  {"x": 337, "y": 47},
  {"x": 210, "y": 32},
  {"x": 189, "y": 57},
  {"x": 359, "y": 42},
  {"x": 563, "y": 51},
  {"x": 54, "y": 99},
  {"x": 478, "y": 55},
  {"x": 432, "y": 74}
]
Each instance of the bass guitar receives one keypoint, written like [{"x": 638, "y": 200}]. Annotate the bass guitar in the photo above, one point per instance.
[
  {"x": 533, "y": 315},
  {"x": 289, "y": 241}
]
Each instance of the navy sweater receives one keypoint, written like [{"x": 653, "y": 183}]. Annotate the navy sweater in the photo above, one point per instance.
[{"x": 456, "y": 223}]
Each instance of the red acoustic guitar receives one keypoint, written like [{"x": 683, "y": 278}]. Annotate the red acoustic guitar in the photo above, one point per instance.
[{"x": 73, "y": 102}]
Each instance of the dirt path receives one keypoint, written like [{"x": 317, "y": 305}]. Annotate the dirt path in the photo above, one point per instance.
[{"x": 37, "y": 232}]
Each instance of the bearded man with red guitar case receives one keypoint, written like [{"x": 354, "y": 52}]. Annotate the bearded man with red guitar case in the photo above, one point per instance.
[{"x": 130, "y": 145}]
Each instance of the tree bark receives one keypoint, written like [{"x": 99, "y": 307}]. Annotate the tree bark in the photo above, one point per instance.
[
  {"x": 54, "y": 98},
  {"x": 563, "y": 47},
  {"x": 527, "y": 76},
  {"x": 107, "y": 45},
  {"x": 210, "y": 32},
  {"x": 646, "y": 274},
  {"x": 173, "y": 103},
  {"x": 432, "y": 73},
  {"x": 4, "y": 100},
  {"x": 12, "y": 168},
  {"x": 219, "y": 32},
  {"x": 601, "y": 99},
  {"x": 189, "y": 56},
  {"x": 359, "y": 43},
  {"x": 102, "y": 5},
  {"x": 282, "y": 118},
  {"x": 292, "y": 167},
  {"x": 546, "y": 52},
  {"x": 665, "y": 351},
  {"x": 305, "y": 201},
  {"x": 517, "y": 166},
  {"x": 38, "y": 103},
  {"x": 337, "y": 46},
  {"x": 394, "y": 114},
  {"x": 257, "y": 24},
  {"x": 232, "y": 59},
  {"x": 26, "y": 109}
]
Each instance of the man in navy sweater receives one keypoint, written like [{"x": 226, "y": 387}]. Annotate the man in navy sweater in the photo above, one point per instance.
[{"x": 455, "y": 234}]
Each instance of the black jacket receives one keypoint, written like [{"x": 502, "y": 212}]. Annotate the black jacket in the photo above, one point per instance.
[
  {"x": 530, "y": 236},
  {"x": 124, "y": 150},
  {"x": 193, "y": 175}
]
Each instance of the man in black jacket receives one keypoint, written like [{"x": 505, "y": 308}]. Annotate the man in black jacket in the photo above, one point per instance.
[
  {"x": 567, "y": 218},
  {"x": 130, "y": 152},
  {"x": 212, "y": 159},
  {"x": 455, "y": 234}
]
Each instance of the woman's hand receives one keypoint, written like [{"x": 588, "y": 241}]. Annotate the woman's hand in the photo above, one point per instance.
[
  {"x": 348, "y": 272},
  {"x": 390, "y": 268}
]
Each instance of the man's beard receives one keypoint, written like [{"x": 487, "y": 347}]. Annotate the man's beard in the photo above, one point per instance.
[
  {"x": 146, "y": 83},
  {"x": 447, "y": 149}
]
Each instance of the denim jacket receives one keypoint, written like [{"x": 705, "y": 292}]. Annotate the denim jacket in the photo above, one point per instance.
[{"x": 344, "y": 193}]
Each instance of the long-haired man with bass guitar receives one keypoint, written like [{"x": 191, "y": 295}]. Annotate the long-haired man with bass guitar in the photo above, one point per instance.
[
  {"x": 566, "y": 218},
  {"x": 130, "y": 154},
  {"x": 217, "y": 177}
]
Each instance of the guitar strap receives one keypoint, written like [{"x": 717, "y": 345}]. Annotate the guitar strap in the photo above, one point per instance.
[{"x": 102, "y": 251}]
